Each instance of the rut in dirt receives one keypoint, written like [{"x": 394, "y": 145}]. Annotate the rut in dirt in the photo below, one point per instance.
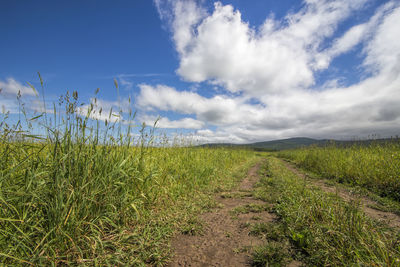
[
  {"x": 389, "y": 218},
  {"x": 225, "y": 240}
]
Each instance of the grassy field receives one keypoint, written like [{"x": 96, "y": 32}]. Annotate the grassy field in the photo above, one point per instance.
[
  {"x": 89, "y": 192},
  {"x": 97, "y": 192},
  {"x": 375, "y": 167},
  {"x": 318, "y": 228}
]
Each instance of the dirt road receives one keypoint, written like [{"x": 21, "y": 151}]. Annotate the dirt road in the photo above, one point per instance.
[{"x": 225, "y": 240}]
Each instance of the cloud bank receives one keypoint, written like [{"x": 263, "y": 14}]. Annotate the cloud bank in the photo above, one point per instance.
[{"x": 269, "y": 73}]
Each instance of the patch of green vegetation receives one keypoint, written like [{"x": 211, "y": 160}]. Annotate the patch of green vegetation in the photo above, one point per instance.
[
  {"x": 382, "y": 203},
  {"x": 243, "y": 249},
  {"x": 228, "y": 234},
  {"x": 93, "y": 192},
  {"x": 270, "y": 230},
  {"x": 248, "y": 208},
  {"x": 193, "y": 226},
  {"x": 325, "y": 228},
  {"x": 271, "y": 254},
  {"x": 374, "y": 166},
  {"x": 256, "y": 218}
]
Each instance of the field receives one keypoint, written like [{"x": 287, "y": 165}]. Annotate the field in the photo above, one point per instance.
[
  {"x": 95, "y": 195},
  {"x": 91, "y": 193},
  {"x": 100, "y": 204},
  {"x": 374, "y": 166},
  {"x": 319, "y": 228}
]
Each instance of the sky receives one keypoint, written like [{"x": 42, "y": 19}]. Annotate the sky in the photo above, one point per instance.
[{"x": 218, "y": 71}]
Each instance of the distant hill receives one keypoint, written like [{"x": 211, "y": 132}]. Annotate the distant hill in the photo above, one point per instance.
[
  {"x": 275, "y": 144},
  {"x": 286, "y": 143},
  {"x": 297, "y": 142}
]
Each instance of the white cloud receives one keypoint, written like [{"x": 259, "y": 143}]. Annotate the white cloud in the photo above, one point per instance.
[
  {"x": 353, "y": 37},
  {"x": 8, "y": 105},
  {"x": 11, "y": 87},
  {"x": 209, "y": 136},
  {"x": 103, "y": 110},
  {"x": 182, "y": 26},
  {"x": 279, "y": 56},
  {"x": 383, "y": 52},
  {"x": 9, "y": 90},
  {"x": 165, "y": 123},
  {"x": 274, "y": 68},
  {"x": 219, "y": 110},
  {"x": 127, "y": 84}
]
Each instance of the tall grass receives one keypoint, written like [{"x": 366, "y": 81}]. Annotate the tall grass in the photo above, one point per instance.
[
  {"x": 323, "y": 228},
  {"x": 87, "y": 192},
  {"x": 375, "y": 166}
]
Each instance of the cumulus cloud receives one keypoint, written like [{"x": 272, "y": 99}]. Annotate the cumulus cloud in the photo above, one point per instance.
[
  {"x": 165, "y": 123},
  {"x": 278, "y": 56},
  {"x": 11, "y": 87},
  {"x": 272, "y": 69},
  {"x": 218, "y": 110},
  {"x": 182, "y": 25}
]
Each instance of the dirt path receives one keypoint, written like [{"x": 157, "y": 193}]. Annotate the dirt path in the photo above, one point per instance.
[
  {"x": 225, "y": 240},
  {"x": 391, "y": 219}
]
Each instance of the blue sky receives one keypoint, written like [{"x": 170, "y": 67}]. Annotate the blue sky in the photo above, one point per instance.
[{"x": 219, "y": 71}]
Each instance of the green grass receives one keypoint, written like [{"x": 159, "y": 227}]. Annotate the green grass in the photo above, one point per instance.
[
  {"x": 93, "y": 193},
  {"x": 325, "y": 229},
  {"x": 89, "y": 193},
  {"x": 375, "y": 167},
  {"x": 271, "y": 254},
  {"x": 270, "y": 230},
  {"x": 381, "y": 203},
  {"x": 256, "y": 208}
]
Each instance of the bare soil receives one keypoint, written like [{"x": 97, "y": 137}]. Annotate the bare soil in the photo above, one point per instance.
[
  {"x": 225, "y": 239},
  {"x": 389, "y": 218}
]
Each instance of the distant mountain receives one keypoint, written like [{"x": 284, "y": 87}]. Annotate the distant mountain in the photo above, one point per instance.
[
  {"x": 290, "y": 143},
  {"x": 275, "y": 144},
  {"x": 297, "y": 142}
]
